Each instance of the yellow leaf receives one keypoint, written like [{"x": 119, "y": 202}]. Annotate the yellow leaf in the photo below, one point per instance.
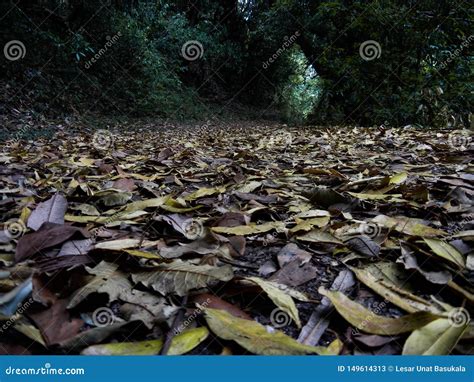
[
  {"x": 369, "y": 322},
  {"x": 143, "y": 204},
  {"x": 250, "y": 229},
  {"x": 122, "y": 244},
  {"x": 446, "y": 251},
  {"x": 249, "y": 187},
  {"x": 313, "y": 214},
  {"x": 86, "y": 209},
  {"x": 180, "y": 344},
  {"x": 143, "y": 254},
  {"x": 108, "y": 221},
  {"x": 383, "y": 279},
  {"x": 408, "y": 226},
  {"x": 87, "y": 162},
  {"x": 73, "y": 184},
  {"x": 253, "y": 336},
  {"x": 398, "y": 178},
  {"x": 204, "y": 192},
  {"x": 279, "y": 297},
  {"x": 173, "y": 205},
  {"x": 318, "y": 236},
  {"x": 307, "y": 225},
  {"x": 367, "y": 196},
  {"x": 25, "y": 213},
  {"x": 437, "y": 338},
  {"x": 180, "y": 277},
  {"x": 334, "y": 348}
]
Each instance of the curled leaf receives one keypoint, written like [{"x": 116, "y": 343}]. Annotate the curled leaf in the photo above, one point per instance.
[{"x": 369, "y": 322}]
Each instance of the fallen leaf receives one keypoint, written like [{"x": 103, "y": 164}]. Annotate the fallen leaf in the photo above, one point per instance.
[
  {"x": 180, "y": 344},
  {"x": 53, "y": 211},
  {"x": 317, "y": 236},
  {"x": 319, "y": 319},
  {"x": 279, "y": 297},
  {"x": 294, "y": 273},
  {"x": 367, "y": 321},
  {"x": 363, "y": 245},
  {"x": 11, "y": 301},
  {"x": 250, "y": 229},
  {"x": 254, "y": 337},
  {"x": 384, "y": 278},
  {"x": 204, "y": 192},
  {"x": 446, "y": 251},
  {"x": 398, "y": 178},
  {"x": 308, "y": 224},
  {"x": 408, "y": 259},
  {"x": 56, "y": 324},
  {"x": 49, "y": 235},
  {"x": 180, "y": 277},
  {"x": 408, "y": 226},
  {"x": 436, "y": 338},
  {"x": 210, "y": 301}
]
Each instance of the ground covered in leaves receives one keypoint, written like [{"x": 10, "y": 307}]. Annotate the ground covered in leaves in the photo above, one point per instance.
[{"x": 237, "y": 239}]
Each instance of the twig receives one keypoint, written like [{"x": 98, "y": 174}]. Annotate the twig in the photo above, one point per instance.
[
  {"x": 361, "y": 181},
  {"x": 177, "y": 321}
]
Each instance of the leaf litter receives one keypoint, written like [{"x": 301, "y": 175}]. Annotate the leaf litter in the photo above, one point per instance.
[{"x": 238, "y": 239}]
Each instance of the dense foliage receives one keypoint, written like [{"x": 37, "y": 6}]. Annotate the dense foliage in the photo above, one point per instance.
[{"x": 302, "y": 58}]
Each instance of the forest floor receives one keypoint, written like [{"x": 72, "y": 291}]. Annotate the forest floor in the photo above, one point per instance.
[{"x": 237, "y": 239}]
